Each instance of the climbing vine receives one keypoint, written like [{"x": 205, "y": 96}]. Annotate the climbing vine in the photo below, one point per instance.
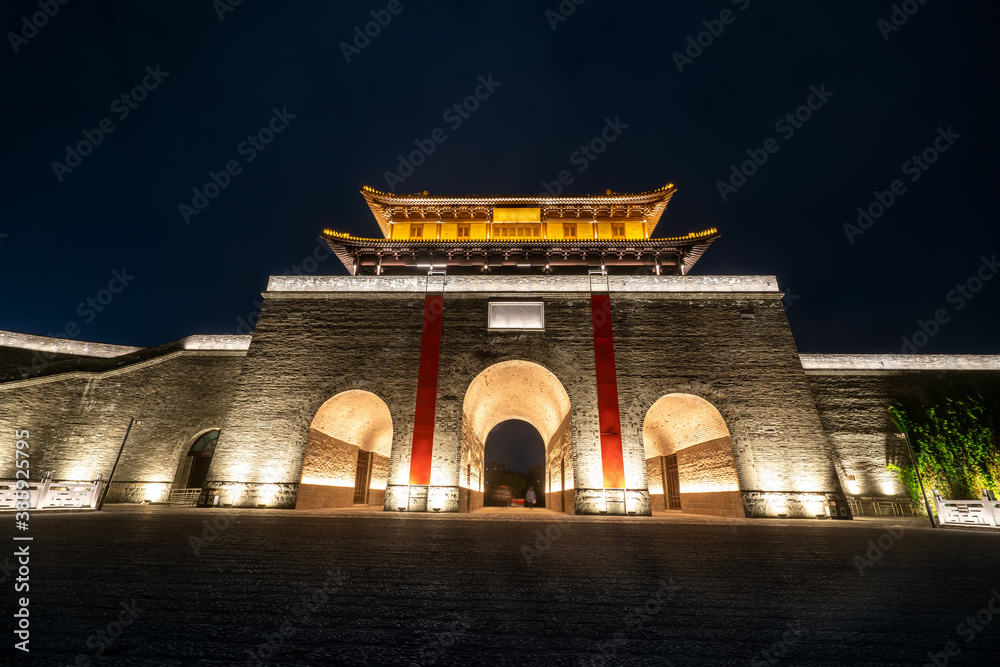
[{"x": 955, "y": 445}]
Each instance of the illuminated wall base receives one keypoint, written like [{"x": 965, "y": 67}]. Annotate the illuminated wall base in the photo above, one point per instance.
[
  {"x": 612, "y": 502},
  {"x": 322, "y": 496},
  {"x": 793, "y": 505},
  {"x": 138, "y": 492},
  {"x": 710, "y": 503},
  {"x": 256, "y": 494},
  {"x": 415, "y": 498},
  {"x": 469, "y": 499},
  {"x": 561, "y": 501}
]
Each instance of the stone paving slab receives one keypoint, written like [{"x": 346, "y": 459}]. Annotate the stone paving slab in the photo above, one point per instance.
[{"x": 503, "y": 588}]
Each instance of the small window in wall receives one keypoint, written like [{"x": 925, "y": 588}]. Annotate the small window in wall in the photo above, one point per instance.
[
  {"x": 464, "y": 231},
  {"x": 205, "y": 445},
  {"x": 618, "y": 230},
  {"x": 416, "y": 231},
  {"x": 521, "y": 231},
  {"x": 569, "y": 231},
  {"x": 519, "y": 315}
]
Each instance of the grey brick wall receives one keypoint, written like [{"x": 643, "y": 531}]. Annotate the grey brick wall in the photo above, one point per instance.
[
  {"x": 853, "y": 404},
  {"x": 796, "y": 435},
  {"x": 77, "y": 420},
  {"x": 310, "y": 345}
]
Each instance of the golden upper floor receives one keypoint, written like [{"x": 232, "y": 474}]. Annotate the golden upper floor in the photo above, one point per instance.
[{"x": 611, "y": 216}]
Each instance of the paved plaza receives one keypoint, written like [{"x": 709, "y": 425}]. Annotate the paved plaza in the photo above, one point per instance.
[{"x": 154, "y": 585}]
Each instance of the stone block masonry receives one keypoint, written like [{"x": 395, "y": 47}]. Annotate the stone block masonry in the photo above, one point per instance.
[
  {"x": 78, "y": 418},
  {"x": 724, "y": 339},
  {"x": 803, "y": 432}
]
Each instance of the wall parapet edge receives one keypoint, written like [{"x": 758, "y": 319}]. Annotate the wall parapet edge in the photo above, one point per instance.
[
  {"x": 900, "y": 362},
  {"x": 538, "y": 283}
]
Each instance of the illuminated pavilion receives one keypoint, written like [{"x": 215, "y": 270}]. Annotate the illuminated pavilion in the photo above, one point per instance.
[{"x": 610, "y": 233}]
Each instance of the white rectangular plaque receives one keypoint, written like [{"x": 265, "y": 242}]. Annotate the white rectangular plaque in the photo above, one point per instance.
[{"x": 522, "y": 315}]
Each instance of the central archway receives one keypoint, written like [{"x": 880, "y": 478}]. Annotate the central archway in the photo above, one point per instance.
[{"x": 522, "y": 390}]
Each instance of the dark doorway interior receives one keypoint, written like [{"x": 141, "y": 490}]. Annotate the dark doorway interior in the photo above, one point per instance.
[
  {"x": 671, "y": 483},
  {"x": 362, "y": 477},
  {"x": 515, "y": 461}
]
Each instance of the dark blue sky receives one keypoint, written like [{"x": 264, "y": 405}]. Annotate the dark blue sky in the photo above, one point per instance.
[{"x": 119, "y": 207}]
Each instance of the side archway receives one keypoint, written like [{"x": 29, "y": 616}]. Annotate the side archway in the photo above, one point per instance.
[
  {"x": 690, "y": 464},
  {"x": 517, "y": 389},
  {"x": 192, "y": 471},
  {"x": 346, "y": 461}
]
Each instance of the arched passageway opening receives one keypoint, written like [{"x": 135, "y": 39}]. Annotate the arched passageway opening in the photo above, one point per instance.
[
  {"x": 193, "y": 468},
  {"x": 346, "y": 461},
  {"x": 515, "y": 463},
  {"x": 689, "y": 457},
  {"x": 528, "y": 392}
]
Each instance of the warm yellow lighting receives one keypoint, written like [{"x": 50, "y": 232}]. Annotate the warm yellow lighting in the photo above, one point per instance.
[
  {"x": 80, "y": 474},
  {"x": 155, "y": 492},
  {"x": 814, "y": 507},
  {"x": 889, "y": 488},
  {"x": 517, "y": 214},
  {"x": 708, "y": 486},
  {"x": 266, "y": 493},
  {"x": 328, "y": 481}
]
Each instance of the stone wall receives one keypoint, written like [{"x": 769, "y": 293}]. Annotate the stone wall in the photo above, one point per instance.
[
  {"x": 736, "y": 351},
  {"x": 727, "y": 343},
  {"x": 853, "y": 400},
  {"x": 77, "y": 419},
  {"x": 798, "y": 437},
  {"x": 307, "y": 348}
]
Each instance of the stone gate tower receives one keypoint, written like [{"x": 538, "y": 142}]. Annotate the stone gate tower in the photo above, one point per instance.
[{"x": 651, "y": 388}]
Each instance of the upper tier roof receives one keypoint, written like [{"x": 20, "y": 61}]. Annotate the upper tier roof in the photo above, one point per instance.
[{"x": 388, "y": 207}]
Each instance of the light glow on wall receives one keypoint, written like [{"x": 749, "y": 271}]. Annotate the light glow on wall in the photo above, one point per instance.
[
  {"x": 327, "y": 481},
  {"x": 437, "y": 498},
  {"x": 236, "y": 492},
  {"x": 156, "y": 492},
  {"x": 705, "y": 487},
  {"x": 890, "y": 487},
  {"x": 516, "y": 390},
  {"x": 807, "y": 483},
  {"x": 79, "y": 474},
  {"x": 358, "y": 417},
  {"x": 814, "y": 506},
  {"x": 266, "y": 493}
]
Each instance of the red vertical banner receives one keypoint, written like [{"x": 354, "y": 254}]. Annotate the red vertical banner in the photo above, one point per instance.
[
  {"x": 427, "y": 381},
  {"x": 609, "y": 419}
]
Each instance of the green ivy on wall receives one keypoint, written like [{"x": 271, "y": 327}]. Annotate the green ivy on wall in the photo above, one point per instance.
[{"x": 956, "y": 449}]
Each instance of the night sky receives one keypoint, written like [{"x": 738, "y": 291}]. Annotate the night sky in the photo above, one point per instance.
[
  {"x": 554, "y": 85},
  {"x": 516, "y": 444}
]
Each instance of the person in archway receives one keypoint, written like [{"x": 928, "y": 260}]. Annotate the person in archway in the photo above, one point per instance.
[{"x": 529, "y": 497}]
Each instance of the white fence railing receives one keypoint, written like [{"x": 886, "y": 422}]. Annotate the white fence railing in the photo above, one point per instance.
[
  {"x": 49, "y": 494},
  {"x": 184, "y": 497},
  {"x": 982, "y": 513}
]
